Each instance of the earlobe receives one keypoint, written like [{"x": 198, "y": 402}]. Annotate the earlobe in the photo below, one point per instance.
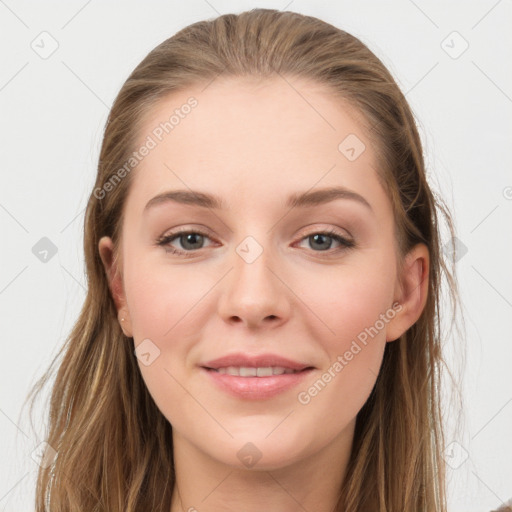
[
  {"x": 115, "y": 282},
  {"x": 411, "y": 291}
]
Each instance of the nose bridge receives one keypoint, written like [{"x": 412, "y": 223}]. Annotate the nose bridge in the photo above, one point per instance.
[{"x": 252, "y": 291}]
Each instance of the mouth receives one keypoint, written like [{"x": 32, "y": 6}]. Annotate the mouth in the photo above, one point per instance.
[
  {"x": 261, "y": 371},
  {"x": 255, "y": 382},
  {"x": 255, "y": 376}
]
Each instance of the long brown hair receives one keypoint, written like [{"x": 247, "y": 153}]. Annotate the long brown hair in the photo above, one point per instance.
[{"x": 114, "y": 446}]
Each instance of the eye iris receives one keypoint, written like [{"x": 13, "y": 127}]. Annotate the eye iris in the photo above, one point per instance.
[
  {"x": 314, "y": 239},
  {"x": 191, "y": 238}
]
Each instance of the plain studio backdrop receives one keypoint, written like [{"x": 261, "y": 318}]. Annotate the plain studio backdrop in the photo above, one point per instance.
[{"x": 62, "y": 65}]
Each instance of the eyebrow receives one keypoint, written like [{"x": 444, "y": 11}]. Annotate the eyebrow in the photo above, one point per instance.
[{"x": 297, "y": 200}]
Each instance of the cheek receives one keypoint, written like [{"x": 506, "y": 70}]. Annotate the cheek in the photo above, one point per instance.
[
  {"x": 161, "y": 299},
  {"x": 354, "y": 306},
  {"x": 167, "y": 307},
  {"x": 164, "y": 306},
  {"x": 348, "y": 300}
]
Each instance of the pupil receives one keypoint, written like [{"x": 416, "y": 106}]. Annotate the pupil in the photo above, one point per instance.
[
  {"x": 192, "y": 239},
  {"x": 315, "y": 238}
]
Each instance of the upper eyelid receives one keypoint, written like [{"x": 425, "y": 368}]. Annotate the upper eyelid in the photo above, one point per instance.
[
  {"x": 331, "y": 231},
  {"x": 303, "y": 232}
]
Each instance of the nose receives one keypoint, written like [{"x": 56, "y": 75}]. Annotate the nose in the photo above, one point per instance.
[{"x": 254, "y": 293}]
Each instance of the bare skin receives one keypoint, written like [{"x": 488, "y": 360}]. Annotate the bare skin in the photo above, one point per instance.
[{"x": 304, "y": 298}]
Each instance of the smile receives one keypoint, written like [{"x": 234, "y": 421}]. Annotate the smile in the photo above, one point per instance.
[{"x": 244, "y": 371}]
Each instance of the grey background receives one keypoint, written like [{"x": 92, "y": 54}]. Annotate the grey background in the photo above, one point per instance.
[{"x": 52, "y": 111}]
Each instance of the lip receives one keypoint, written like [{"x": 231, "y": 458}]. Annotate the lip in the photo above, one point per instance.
[
  {"x": 255, "y": 388},
  {"x": 257, "y": 361}
]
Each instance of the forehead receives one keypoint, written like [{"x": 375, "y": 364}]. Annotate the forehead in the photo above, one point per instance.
[{"x": 246, "y": 139}]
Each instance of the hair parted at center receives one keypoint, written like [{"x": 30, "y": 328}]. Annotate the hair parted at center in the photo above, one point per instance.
[{"x": 114, "y": 446}]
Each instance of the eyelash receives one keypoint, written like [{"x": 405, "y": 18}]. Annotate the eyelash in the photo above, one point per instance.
[{"x": 166, "y": 239}]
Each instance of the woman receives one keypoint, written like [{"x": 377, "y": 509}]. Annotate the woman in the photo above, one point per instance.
[{"x": 261, "y": 328}]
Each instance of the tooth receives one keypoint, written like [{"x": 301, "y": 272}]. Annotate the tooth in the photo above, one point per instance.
[
  {"x": 264, "y": 372},
  {"x": 247, "y": 372},
  {"x": 244, "y": 371}
]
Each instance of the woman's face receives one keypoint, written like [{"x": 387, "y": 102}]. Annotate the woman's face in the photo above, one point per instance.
[{"x": 261, "y": 273}]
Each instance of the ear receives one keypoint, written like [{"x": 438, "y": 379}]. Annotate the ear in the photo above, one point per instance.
[
  {"x": 410, "y": 292},
  {"x": 115, "y": 282}
]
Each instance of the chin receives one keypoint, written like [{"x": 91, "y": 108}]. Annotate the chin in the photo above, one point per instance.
[{"x": 255, "y": 453}]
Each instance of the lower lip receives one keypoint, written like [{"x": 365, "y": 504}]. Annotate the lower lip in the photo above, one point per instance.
[{"x": 256, "y": 388}]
